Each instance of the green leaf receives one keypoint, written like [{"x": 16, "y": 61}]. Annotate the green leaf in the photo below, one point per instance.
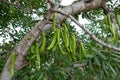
[
  {"x": 115, "y": 55},
  {"x": 104, "y": 68},
  {"x": 90, "y": 56},
  {"x": 90, "y": 65},
  {"x": 111, "y": 68},
  {"x": 116, "y": 60},
  {"x": 97, "y": 62},
  {"x": 102, "y": 56}
]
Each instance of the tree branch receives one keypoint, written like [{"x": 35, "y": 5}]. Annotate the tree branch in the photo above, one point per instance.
[
  {"x": 88, "y": 32},
  {"x": 23, "y": 46}
]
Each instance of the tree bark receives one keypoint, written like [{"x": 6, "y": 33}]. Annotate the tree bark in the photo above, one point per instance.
[{"x": 23, "y": 46}]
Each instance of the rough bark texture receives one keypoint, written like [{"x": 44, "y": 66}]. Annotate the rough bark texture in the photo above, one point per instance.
[{"x": 23, "y": 46}]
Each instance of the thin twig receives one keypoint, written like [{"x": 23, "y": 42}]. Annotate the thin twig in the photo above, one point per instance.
[{"x": 80, "y": 65}]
